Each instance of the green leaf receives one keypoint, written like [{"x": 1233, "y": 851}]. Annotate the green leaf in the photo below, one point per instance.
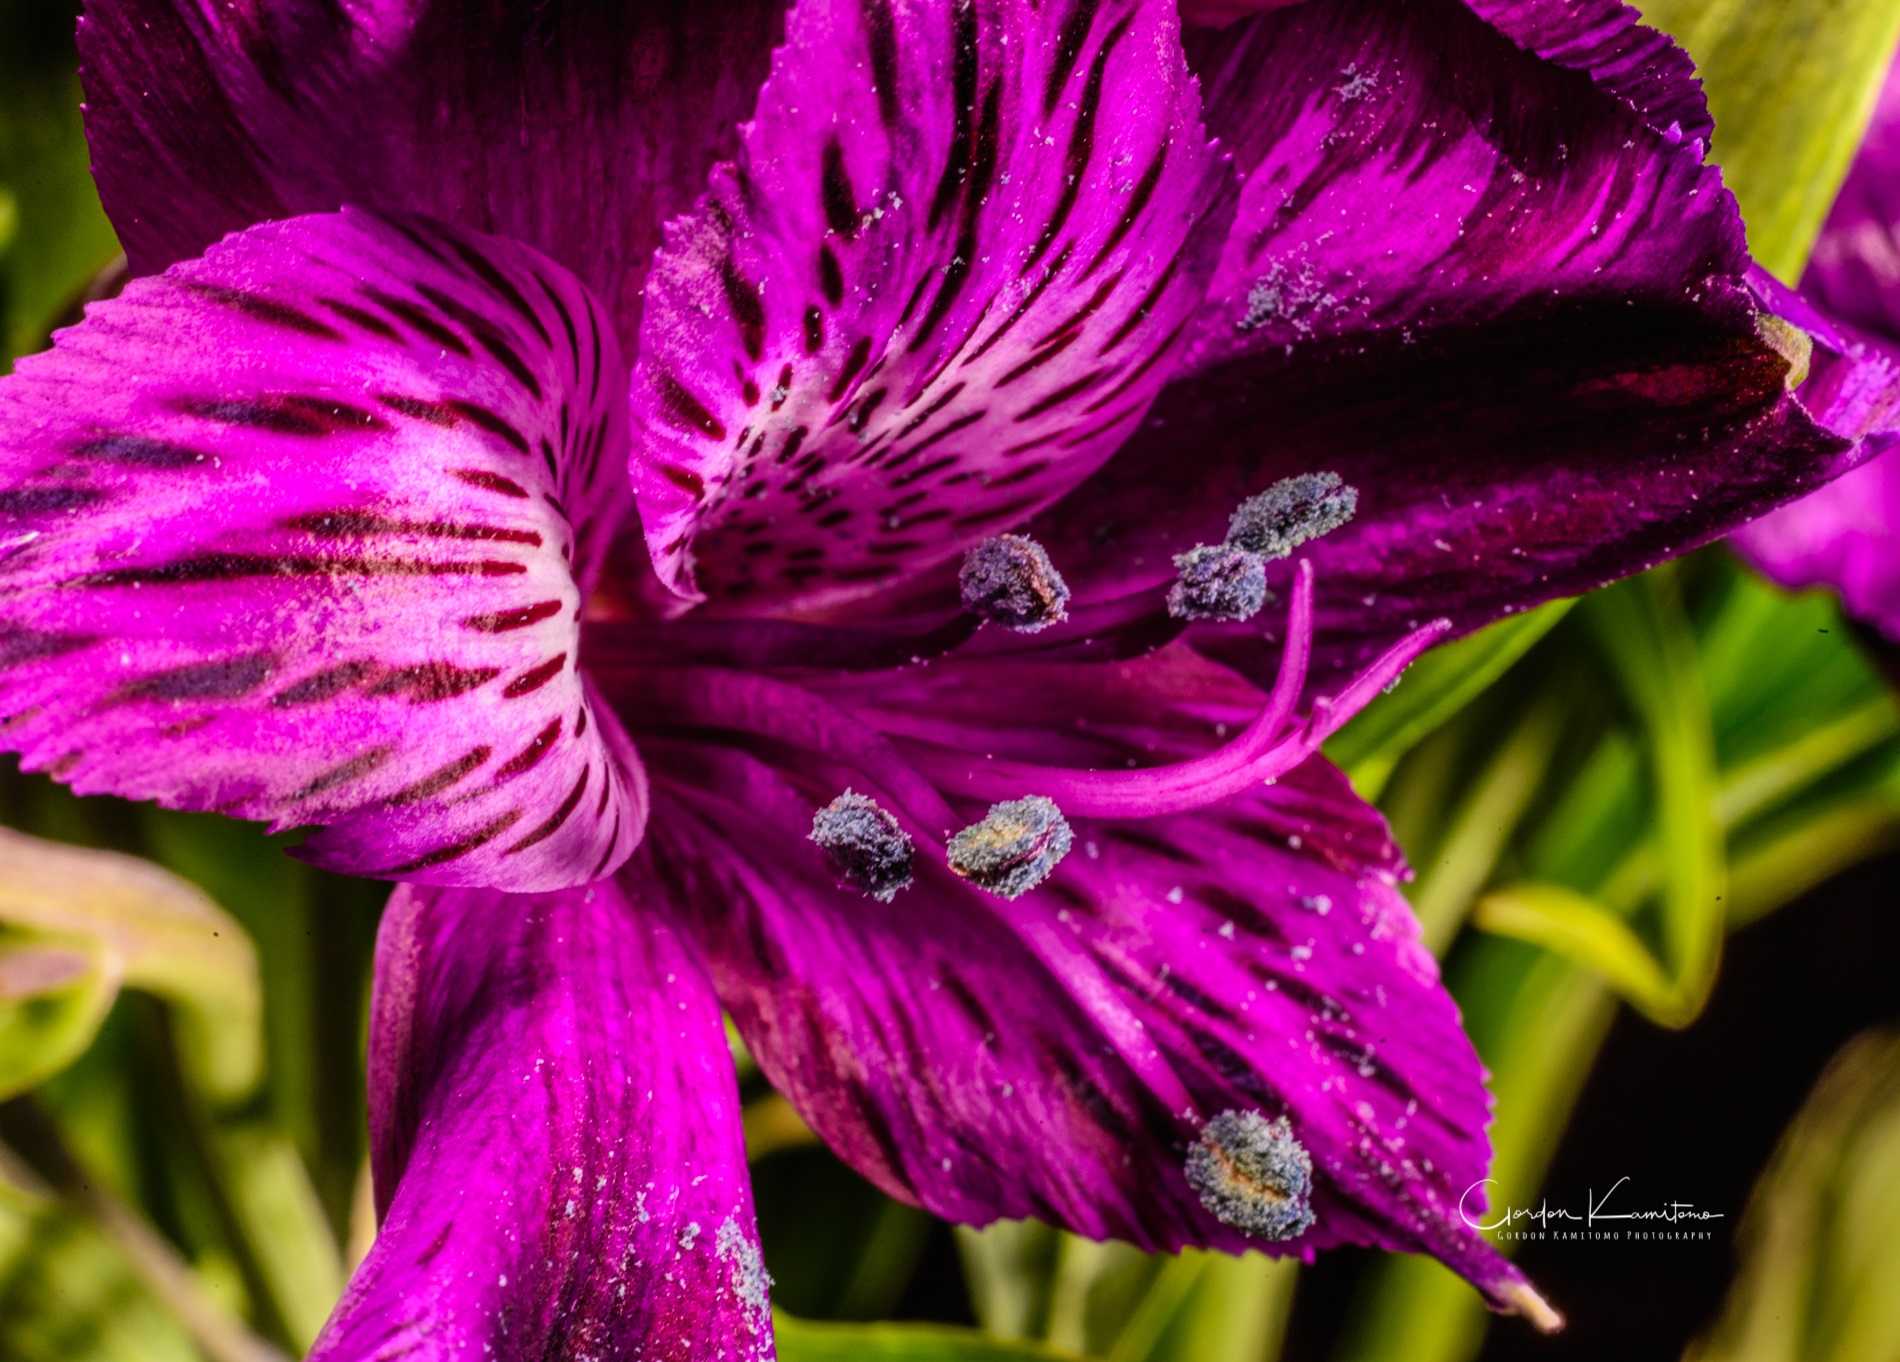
[
  {"x": 1487, "y": 812},
  {"x": 811, "y": 1341},
  {"x": 285, "y": 1225},
  {"x": 1434, "y": 688},
  {"x": 148, "y": 929},
  {"x": 1236, "y": 1310},
  {"x": 67, "y": 1296},
  {"x": 54, "y": 995},
  {"x": 1791, "y": 84},
  {"x": 1647, "y": 640},
  {"x": 1821, "y": 1236},
  {"x": 1586, "y": 932}
]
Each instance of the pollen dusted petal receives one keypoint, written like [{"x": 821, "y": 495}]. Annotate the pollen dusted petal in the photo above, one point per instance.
[
  {"x": 1503, "y": 301},
  {"x": 554, "y": 1133},
  {"x": 942, "y": 281},
  {"x": 287, "y": 536},
  {"x": 1056, "y": 1055},
  {"x": 207, "y": 118}
]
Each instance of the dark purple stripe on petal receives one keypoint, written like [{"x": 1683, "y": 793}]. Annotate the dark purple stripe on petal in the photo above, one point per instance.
[
  {"x": 266, "y": 310},
  {"x": 437, "y": 781},
  {"x": 454, "y": 851},
  {"x": 537, "y": 677},
  {"x": 555, "y": 819},
  {"x": 227, "y": 679},
  {"x": 530, "y": 756},
  {"x": 139, "y": 452},
  {"x": 353, "y": 769},
  {"x": 490, "y": 482},
  {"x": 432, "y": 681}
]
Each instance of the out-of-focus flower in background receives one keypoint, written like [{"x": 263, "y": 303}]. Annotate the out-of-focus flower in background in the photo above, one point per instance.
[{"x": 1847, "y": 535}]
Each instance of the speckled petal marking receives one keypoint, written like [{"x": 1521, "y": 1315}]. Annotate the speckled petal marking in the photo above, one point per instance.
[
  {"x": 943, "y": 280},
  {"x": 300, "y": 531}
]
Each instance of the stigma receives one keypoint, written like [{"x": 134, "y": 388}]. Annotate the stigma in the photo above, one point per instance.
[
  {"x": 1292, "y": 511},
  {"x": 1252, "y": 1173},
  {"x": 1218, "y": 582},
  {"x": 1008, "y": 579},
  {"x": 1015, "y": 847},
  {"x": 865, "y": 845}
]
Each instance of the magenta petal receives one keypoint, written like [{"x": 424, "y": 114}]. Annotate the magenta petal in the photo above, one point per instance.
[
  {"x": 300, "y": 531},
  {"x": 1484, "y": 289},
  {"x": 578, "y": 128},
  {"x": 554, "y": 1124},
  {"x": 1055, "y": 1054},
  {"x": 943, "y": 280},
  {"x": 1607, "y": 39}
]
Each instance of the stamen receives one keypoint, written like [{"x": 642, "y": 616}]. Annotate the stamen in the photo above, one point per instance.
[
  {"x": 1014, "y": 848},
  {"x": 865, "y": 845},
  {"x": 1218, "y": 582},
  {"x": 1267, "y": 747},
  {"x": 1290, "y": 512},
  {"x": 1009, "y": 580},
  {"x": 1252, "y": 1174}
]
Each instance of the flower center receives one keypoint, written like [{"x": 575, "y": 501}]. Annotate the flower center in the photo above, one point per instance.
[{"x": 1253, "y": 1174}]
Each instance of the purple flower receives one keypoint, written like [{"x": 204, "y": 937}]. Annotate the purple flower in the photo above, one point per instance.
[
  {"x": 1847, "y": 535},
  {"x": 1031, "y": 416}
]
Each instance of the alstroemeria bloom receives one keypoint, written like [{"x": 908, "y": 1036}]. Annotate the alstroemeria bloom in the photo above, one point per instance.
[
  {"x": 1847, "y": 535},
  {"x": 975, "y": 395}
]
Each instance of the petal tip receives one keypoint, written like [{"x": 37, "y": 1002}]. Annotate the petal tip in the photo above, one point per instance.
[{"x": 1521, "y": 1298}]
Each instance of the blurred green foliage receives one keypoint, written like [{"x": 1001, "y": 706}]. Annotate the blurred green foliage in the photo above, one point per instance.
[
  {"x": 1820, "y": 1242},
  {"x": 1791, "y": 84},
  {"x": 53, "y": 235}
]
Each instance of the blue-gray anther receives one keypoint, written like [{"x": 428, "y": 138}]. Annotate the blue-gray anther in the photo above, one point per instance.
[
  {"x": 1252, "y": 1174},
  {"x": 1290, "y": 512},
  {"x": 865, "y": 845},
  {"x": 1008, "y": 579},
  {"x": 1218, "y": 582},
  {"x": 1014, "y": 848}
]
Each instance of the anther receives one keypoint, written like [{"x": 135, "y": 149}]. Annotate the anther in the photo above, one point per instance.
[
  {"x": 1014, "y": 848},
  {"x": 1218, "y": 582},
  {"x": 1252, "y": 1174},
  {"x": 1008, "y": 579},
  {"x": 865, "y": 845},
  {"x": 1290, "y": 512}
]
